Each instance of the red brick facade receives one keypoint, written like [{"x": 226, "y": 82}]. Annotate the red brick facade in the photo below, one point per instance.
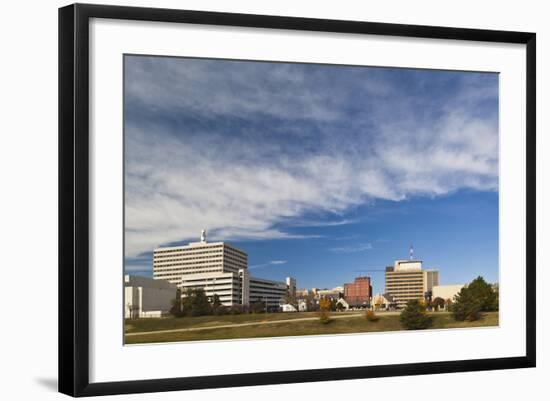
[{"x": 358, "y": 292}]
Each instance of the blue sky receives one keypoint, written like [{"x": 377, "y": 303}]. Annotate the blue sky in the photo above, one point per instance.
[{"x": 319, "y": 172}]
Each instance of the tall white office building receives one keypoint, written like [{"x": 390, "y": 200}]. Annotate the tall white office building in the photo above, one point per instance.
[{"x": 218, "y": 268}]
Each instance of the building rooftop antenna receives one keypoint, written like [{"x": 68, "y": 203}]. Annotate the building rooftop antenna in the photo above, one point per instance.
[
  {"x": 203, "y": 235},
  {"x": 411, "y": 252}
]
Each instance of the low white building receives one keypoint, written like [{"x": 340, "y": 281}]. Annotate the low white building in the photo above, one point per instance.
[
  {"x": 343, "y": 302},
  {"x": 383, "y": 301},
  {"x": 231, "y": 288},
  {"x": 145, "y": 297},
  {"x": 333, "y": 293},
  {"x": 288, "y": 308},
  {"x": 446, "y": 291}
]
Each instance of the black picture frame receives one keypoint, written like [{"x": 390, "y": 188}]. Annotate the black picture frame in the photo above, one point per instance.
[{"x": 74, "y": 198}]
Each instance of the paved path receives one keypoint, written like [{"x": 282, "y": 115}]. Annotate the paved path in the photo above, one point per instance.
[{"x": 227, "y": 326}]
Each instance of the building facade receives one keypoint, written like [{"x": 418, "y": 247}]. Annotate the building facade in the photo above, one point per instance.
[
  {"x": 269, "y": 292},
  {"x": 218, "y": 268},
  {"x": 330, "y": 293},
  {"x": 291, "y": 285},
  {"x": 406, "y": 280},
  {"x": 171, "y": 263},
  {"x": 359, "y": 292},
  {"x": 232, "y": 288},
  {"x": 145, "y": 297},
  {"x": 446, "y": 292}
]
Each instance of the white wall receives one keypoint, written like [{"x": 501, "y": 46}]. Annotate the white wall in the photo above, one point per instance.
[
  {"x": 28, "y": 168},
  {"x": 446, "y": 291}
]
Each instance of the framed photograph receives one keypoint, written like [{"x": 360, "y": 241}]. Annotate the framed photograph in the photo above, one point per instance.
[{"x": 251, "y": 199}]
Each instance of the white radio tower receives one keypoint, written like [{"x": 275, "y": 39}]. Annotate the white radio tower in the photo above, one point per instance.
[{"x": 411, "y": 252}]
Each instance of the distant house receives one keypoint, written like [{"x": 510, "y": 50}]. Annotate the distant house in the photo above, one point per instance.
[
  {"x": 383, "y": 301},
  {"x": 288, "y": 308},
  {"x": 343, "y": 304},
  {"x": 300, "y": 307}
]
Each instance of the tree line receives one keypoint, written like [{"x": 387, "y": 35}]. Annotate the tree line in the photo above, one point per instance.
[
  {"x": 468, "y": 305},
  {"x": 194, "y": 302}
]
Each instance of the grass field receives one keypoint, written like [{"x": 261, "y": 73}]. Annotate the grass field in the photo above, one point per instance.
[
  {"x": 254, "y": 326},
  {"x": 170, "y": 323}
]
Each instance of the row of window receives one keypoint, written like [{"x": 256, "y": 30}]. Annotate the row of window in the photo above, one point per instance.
[
  {"x": 172, "y": 258},
  {"x": 199, "y": 256},
  {"x": 184, "y": 265},
  {"x": 186, "y": 249},
  {"x": 185, "y": 261},
  {"x": 404, "y": 284}
]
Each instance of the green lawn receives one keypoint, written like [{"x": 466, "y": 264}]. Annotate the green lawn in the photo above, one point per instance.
[
  {"x": 336, "y": 326},
  {"x": 170, "y": 323}
]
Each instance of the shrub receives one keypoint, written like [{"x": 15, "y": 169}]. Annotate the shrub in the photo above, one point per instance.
[
  {"x": 414, "y": 316},
  {"x": 371, "y": 316},
  {"x": 325, "y": 306},
  {"x": 257, "y": 307},
  {"x": 220, "y": 310},
  {"x": 324, "y": 317},
  {"x": 235, "y": 310}
]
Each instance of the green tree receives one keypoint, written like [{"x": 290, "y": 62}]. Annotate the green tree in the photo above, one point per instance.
[
  {"x": 466, "y": 306},
  {"x": 175, "y": 310},
  {"x": 217, "y": 307},
  {"x": 476, "y": 297},
  {"x": 195, "y": 303},
  {"x": 216, "y": 301},
  {"x": 448, "y": 303},
  {"x": 414, "y": 316},
  {"x": 486, "y": 294},
  {"x": 236, "y": 309},
  {"x": 438, "y": 303},
  {"x": 257, "y": 307}
]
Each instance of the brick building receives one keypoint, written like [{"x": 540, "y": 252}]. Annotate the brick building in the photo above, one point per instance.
[{"x": 359, "y": 292}]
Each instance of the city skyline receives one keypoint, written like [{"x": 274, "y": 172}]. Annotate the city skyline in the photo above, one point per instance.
[{"x": 313, "y": 175}]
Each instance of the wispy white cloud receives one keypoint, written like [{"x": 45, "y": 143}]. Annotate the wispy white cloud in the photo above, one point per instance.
[
  {"x": 321, "y": 223},
  {"x": 352, "y": 248},
  {"x": 275, "y": 143},
  {"x": 271, "y": 263}
]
